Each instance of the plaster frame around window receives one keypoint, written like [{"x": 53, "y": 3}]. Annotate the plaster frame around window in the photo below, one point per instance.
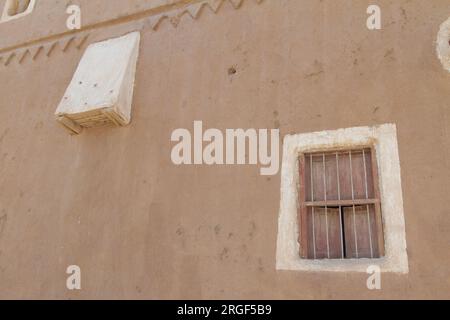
[
  {"x": 443, "y": 44},
  {"x": 6, "y": 17},
  {"x": 384, "y": 139}
]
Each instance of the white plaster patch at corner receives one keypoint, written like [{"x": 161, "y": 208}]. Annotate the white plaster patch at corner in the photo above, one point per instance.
[
  {"x": 443, "y": 45},
  {"x": 6, "y": 17},
  {"x": 384, "y": 139}
]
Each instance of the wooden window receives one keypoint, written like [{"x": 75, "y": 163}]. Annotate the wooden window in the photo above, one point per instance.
[{"x": 340, "y": 209}]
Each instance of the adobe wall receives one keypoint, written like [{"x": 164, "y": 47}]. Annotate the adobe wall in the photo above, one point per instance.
[{"x": 111, "y": 200}]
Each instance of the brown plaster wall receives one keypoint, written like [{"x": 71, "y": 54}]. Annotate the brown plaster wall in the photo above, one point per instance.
[{"x": 112, "y": 202}]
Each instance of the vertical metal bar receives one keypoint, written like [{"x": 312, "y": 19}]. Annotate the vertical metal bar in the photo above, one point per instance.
[
  {"x": 312, "y": 199},
  {"x": 326, "y": 206},
  {"x": 367, "y": 206},
  {"x": 353, "y": 198},
  {"x": 365, "y": 173},
  {"x": 340, "y": 208}
]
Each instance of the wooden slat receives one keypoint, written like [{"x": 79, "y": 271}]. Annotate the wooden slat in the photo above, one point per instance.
[
  {"x": 317, "y": 178},
  {"x": 84, "y": 115},
  {"x": 307, "y": 177},
  {"x": 373, "y": 229},
  {"x": 302, "y": 214},
  {"x": 70, "y": 125},
  {"x": 110, "y": 115},
  {"x": 378, "y": 217},
  {"x": 359, "y": 176},
  {"x": 358, "y": 218},
  {"x": 369, "y": 170},
  {"x": 331, "y": 177},
  {"x": 327, "y": 217},
  {"x": 334, "y": 233},
  {"x": 96, "y": 118},
  {"x": 345, "y": 176}
]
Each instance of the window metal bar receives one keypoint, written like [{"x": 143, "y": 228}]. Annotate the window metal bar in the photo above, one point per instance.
[
  {"x": 337, "y": 174},
  {"x": 326, "y": 206},
  {"x": 340, "y": 208},
  {"x": 312, "y": 199},
  {"x": 367, "y": 206},
  {"x": 335, "y": 203},
  {"x": 365, "y": 174},
  {"x": 353, "y": 198}
]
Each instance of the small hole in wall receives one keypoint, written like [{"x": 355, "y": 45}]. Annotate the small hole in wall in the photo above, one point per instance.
[
  {"x": 231, "y": 71},
  {"x": 18, "y": 6}
]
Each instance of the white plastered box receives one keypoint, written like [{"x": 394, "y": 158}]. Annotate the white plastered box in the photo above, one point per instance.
[{"x": 101, "y": 90}]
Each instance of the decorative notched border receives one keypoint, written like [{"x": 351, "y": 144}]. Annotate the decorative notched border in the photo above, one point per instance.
[
  {"x": 46, "y": 49},
  {"x": 192, "y": 10},
  {"x": 154, "y": 22}
]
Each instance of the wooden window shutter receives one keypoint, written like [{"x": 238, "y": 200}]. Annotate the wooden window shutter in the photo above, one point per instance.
[{"x": 339, "y": 215}]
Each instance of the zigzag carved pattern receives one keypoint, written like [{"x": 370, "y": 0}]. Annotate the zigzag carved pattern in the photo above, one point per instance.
[
  {"x": 193, "y": 10},
  {"x": 78, "y": 41},
  {"x": 47, "y": 49}
]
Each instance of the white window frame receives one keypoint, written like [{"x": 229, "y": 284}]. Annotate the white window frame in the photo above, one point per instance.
[
  {"x": 384, "y": 139},
  {"x": 6, "y": 17},
  {"x": 442, "y": 44}
]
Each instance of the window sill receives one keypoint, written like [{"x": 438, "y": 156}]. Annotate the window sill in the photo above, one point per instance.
[{"x": 336, "y": 265}]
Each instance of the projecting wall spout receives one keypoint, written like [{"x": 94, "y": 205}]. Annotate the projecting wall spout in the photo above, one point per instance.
[{"x": 101, "y": 90}]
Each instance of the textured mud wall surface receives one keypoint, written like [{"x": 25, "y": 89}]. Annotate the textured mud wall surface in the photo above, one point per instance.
[{"x": 112, "y": 202}]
